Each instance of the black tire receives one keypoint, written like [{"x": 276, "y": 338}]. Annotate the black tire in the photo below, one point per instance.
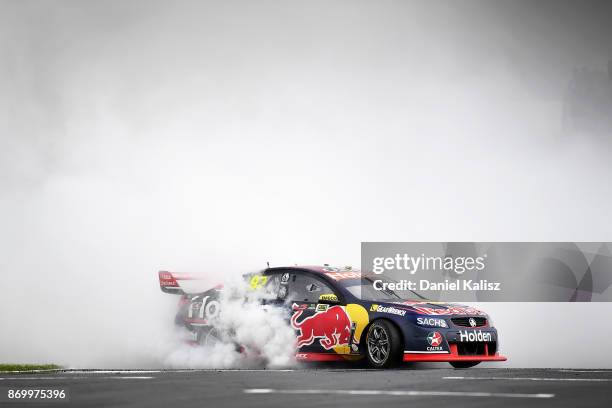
[
  {"x": 383, "y": 345},
  {"x": 208, "y": 336},
  {"x": 464, "y": 364}
]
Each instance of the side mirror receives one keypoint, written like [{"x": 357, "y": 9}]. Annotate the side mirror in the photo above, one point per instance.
[{"x": 329, "y": 299}]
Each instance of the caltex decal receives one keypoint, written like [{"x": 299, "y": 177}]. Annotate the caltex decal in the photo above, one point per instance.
[{"x": 434, "y": 339}]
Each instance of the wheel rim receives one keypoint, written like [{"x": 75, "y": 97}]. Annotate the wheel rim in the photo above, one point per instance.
[
  {"x": 378, "y": 344},
  {"x": 210, "y": 338}
]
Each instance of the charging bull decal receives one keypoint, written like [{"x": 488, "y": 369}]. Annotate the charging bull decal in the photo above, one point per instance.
[{"x": 332, "y": 327}]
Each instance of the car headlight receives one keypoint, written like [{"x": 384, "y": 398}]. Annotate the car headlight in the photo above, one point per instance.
[{"x": 431, "y": 322}]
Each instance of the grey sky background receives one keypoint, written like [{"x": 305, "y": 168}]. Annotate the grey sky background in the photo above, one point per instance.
[{"x": 216, "y": 136}]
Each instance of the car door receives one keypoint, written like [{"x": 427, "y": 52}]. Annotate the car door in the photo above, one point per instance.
[{"x": 322, "y": 324}]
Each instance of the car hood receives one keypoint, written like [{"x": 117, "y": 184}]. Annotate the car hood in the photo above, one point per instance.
[{"x": 436, "y": 308}]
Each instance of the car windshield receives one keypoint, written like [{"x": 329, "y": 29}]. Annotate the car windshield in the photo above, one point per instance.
[{"x": 364, "y": 289}]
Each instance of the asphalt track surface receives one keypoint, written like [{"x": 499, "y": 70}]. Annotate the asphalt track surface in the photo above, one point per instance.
[{"x": 321, "y": 387}]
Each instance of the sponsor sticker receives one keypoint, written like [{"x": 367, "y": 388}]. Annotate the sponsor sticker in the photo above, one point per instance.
[
  {"x": 343, "y": 275},
  {"x": 431, "y": 322},
  {"x": 387, "y": 309},
  {"x": 208, "y": 308},
  {"x": 434, "y": 339},
  {"x": 330, "y": 328},
  {"x": 474, "y": 336},
  {"x": 322, "y": 307},
  {"x": 329, "y": 297}
]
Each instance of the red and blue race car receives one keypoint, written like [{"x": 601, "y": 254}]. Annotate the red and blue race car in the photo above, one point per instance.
[{"x": 339, "y": 315}]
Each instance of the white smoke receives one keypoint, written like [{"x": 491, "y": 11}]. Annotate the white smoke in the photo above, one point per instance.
[{"x": 246, "y": 334}]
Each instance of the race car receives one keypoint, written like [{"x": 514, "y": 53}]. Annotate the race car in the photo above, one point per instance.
[{"x": 338, "y": 315}]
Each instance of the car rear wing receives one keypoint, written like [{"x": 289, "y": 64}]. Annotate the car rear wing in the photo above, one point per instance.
[{"x": 169, "y": 282}]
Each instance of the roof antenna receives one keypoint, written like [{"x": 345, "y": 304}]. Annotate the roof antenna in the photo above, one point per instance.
[{"x": 268, "y": 263}]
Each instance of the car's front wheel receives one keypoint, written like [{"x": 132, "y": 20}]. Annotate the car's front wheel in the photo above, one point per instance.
[
  {"x": 383, "y": 345},
  {"x": 464, "y": 364}
]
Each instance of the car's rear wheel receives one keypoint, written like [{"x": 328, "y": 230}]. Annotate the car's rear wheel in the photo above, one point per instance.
[
  {"x": 464, "y": 364},
  {"x": 208, "y": 336},
  {"x": 383, "y": 345}
]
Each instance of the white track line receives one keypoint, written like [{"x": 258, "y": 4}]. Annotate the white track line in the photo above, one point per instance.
[
  {"x": 246, "y": 370},
  {"x": 529, "y": 379},
  {"x": 79, "y": 371},
  {"x": 112, "y": 372},
  {"x": 181, "y": 371},
  {"x": 18, "y": 378},
  {"x": 399, "y": 393}
]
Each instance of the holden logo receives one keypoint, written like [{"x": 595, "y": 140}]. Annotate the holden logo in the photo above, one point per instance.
[
  {"x": 472, "y": 322},
  {"x": 434, "y": 339}
]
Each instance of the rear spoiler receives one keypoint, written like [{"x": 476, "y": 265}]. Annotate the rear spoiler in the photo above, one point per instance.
[{"x": 168, "y": 282}]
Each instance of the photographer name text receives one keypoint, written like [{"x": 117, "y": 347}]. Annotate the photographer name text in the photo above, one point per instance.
[{"x": 446, "y": 285}]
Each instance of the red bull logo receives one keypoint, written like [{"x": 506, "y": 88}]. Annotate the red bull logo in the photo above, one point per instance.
[{"x": 332, "y": 327}]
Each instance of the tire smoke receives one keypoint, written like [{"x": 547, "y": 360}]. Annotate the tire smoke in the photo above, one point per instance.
[{"x": 244, "y": 334}]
